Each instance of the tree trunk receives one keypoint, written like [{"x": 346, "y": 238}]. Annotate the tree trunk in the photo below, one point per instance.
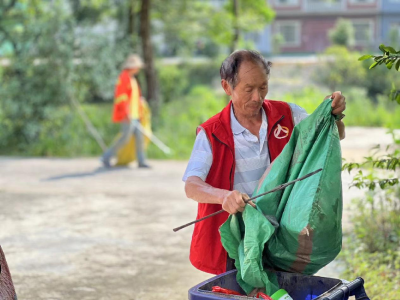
[
  {"x": 131, "y": 23},
  {"x": 236, "y": 32},
  {"x": 152, "y": 93}
]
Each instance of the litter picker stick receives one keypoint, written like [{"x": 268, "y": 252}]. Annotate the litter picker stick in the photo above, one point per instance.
[
  {"x": 278, "y": 188},
  {"x": 89, "y": 125},
  {"x": 164, "y": 148}
]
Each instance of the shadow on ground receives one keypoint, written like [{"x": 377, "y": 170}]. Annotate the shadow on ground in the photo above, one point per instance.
[{"x": 87, "y": 174}]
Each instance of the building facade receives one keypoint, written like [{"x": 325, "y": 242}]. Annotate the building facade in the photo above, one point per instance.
[{"x": 304, "y": 24}]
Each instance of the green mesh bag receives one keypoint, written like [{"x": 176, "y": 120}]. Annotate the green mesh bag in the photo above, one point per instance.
[{"x": 299, "y": 228}]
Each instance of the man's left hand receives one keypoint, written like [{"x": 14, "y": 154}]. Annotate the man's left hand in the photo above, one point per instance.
[{"x": 338, "y": 103}]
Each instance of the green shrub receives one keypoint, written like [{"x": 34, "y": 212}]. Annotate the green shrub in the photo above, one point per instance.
[
  {"x": 64, "y": 134},
  {"x": 378, "y": 81},
  {"x": 309, "y": 98},
  {"x": 177, "y": 80},
  {"x": 377, "y": 221},
  {"x": 340, "y": 69},
  {"x": 174, "y": 82},
  {"x": 202, "y": 73},
  {"x": 380, "y": 271},
  {"x": 372, "y": 249},
  {"x": 342, "y": 34},
  {"x": 360, "y": 110}
]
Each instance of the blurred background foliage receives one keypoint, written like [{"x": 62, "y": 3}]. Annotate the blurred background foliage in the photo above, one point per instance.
[
  {"x": 63, "y": 50},
  {"x": 371, "y": 246}
]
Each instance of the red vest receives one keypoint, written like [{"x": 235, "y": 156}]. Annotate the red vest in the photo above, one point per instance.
[{"x": 206, "y": 251}]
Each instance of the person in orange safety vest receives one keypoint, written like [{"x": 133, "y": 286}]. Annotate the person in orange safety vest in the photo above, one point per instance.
[{"x": 127, "y": 111}]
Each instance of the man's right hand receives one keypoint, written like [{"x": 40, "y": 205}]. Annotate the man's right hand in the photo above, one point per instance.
[{"x": 234, "y": 202}]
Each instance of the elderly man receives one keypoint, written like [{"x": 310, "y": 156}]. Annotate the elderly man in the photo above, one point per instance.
[
  {"x": 234, "y": 148},
  {"x": 127, "y": 110}
]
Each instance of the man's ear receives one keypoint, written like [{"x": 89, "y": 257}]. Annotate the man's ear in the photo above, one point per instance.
[{"x": 226, "y": 86}]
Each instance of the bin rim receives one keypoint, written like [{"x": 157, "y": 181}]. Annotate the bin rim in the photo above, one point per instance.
[{"x": 206, "y": 294}]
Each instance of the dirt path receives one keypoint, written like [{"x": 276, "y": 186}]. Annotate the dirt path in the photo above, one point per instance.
[{"x": 71, "y": 230}]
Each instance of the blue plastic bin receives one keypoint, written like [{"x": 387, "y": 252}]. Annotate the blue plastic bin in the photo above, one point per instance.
[{"x": 299, "y": 287}]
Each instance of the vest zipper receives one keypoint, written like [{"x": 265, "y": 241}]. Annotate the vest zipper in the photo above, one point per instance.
[
  {"x": 269, "y": 153},
  {"x": 230, "y": 175}
]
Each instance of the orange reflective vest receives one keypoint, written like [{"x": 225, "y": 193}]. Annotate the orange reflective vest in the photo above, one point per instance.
[{"x": 122, "y": 98}]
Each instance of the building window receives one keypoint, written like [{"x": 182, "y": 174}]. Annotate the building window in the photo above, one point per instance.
[
  {"x": 286, "y": 2},
  {"x": 363, "y": 31},
  {"x": 290, "y": 32},
  {"x": 323, "y": 5},
  {"x": 325, "y": 2},
  {"x": 362, "y": 1}
]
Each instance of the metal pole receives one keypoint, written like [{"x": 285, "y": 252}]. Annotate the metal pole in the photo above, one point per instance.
[{"x": 278, "y": 188}]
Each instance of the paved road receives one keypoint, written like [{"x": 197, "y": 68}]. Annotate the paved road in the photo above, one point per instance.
[{"x": 72, "y": 230}]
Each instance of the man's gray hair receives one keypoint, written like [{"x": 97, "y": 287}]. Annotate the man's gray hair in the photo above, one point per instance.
[{"x": 230, "y": 66}]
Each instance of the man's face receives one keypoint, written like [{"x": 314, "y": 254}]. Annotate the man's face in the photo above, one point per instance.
[{"x": 250, "y": 91}]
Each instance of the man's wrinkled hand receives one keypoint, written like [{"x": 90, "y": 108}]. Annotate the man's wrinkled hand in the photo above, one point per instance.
[
  {"x": 233, "y": 202},
  {"x": 338, "y": 103}
]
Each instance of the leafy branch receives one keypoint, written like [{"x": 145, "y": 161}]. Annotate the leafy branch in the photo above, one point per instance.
[
  {"x": 368, "y": 181},
  {"x": 389, "y": 162},
  {"x": 390, "y": 57}
]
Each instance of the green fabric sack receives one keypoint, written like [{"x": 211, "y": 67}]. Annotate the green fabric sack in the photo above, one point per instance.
[{"x": 297, "y": 229}]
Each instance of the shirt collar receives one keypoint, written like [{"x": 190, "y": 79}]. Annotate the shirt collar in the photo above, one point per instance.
[{"x": 237, "y": 128}]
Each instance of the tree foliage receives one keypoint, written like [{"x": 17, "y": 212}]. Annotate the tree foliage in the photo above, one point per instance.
[
  {"x": 31, "y": 85},
  {"x": 342, "y": 34},
  {"x": 61, "y": 50},
  {"x": 340, "y": 68},
  {"x": 183, "y": 29},
  {"x": 197, "y": 26},
  {"x": 251, "y": 15},
  {"x": 52, "y": 60}
]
